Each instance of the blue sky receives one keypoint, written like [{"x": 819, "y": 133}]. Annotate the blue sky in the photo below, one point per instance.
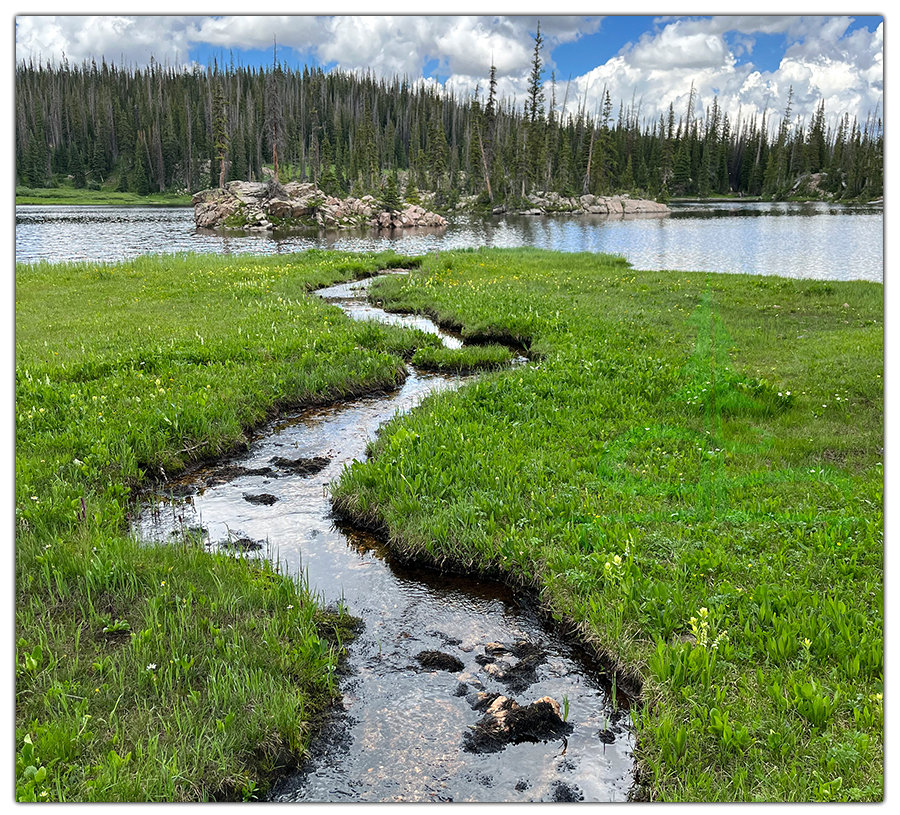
[{"x": 748, "y": 63}]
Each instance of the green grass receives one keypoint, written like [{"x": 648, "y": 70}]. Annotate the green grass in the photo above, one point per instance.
[
  {"x": 75, "y": 197},
  {"x": 692, "y": 478},
  {"x": 167, "y": 673},
  {"x": 463, "y": 360}
]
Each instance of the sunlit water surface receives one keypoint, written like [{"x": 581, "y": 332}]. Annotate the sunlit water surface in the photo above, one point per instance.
[{"x": 815, "y": 240}]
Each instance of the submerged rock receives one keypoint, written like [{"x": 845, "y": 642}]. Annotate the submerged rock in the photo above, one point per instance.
[
  {"x": 507, "y": 722},
  {"x": 606, "y": 736},
  {"x": 301, "y": 466},
  {"x": 517, "y": 676},
  {"x": 230, "y": 472},
  {"x": 439, "y": 661},
  {"x": 242, "y": 545},
  {"x": 264, "y": 498},
  {"x": 566, "y": 793}
]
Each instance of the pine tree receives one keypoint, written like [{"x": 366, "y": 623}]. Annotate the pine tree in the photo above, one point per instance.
[
  {"x": 237, "y": 167},
  {"x": 274, "y": 105},
  {"x": 140, "y": 180},
  {"x": 412, "y": 192},
  {"x": 76, "y": 168},
  {"x": 390, "y": 199},
  {"x": 533, "y": 148},
  {"x": 220, "y": 131}
]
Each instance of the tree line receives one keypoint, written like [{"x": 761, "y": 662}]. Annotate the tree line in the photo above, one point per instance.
[{"x": 161, "y": 129}]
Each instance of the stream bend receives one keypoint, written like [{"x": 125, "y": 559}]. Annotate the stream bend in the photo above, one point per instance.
[{"x": 403, "y": 730}]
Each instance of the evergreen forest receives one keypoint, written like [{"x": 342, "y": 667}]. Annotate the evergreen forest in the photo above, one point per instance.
[{"x": 161, "y": 129}]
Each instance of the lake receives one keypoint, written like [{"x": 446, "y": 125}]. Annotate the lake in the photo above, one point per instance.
[{"x": 800, "y": 240}]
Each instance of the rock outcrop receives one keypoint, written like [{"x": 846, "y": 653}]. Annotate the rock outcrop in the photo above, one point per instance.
[
  {"x": 552, "y": 203},
  {"x": 267, "y": 206}
]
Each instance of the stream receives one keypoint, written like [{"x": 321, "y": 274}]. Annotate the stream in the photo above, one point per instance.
[{"x": 401, "y": 731}]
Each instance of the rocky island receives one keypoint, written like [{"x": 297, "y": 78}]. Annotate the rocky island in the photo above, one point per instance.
[
  {"x": 550, "y": 203},
  {"x": 268, "y": 206}
]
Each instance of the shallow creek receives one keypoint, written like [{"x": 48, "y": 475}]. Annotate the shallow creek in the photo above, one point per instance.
[{"x": 401, "y": 731}]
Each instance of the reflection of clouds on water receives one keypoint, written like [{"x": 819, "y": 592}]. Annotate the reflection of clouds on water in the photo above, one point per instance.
[{"x": 809, "y": 240}]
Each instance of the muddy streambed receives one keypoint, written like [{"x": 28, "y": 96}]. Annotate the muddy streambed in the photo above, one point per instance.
[{"x": 434, "y": 650}]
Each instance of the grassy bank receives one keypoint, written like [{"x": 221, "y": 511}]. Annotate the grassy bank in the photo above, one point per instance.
[
  {"x": 82, "y": 197},
  {"x": 692, "y": 477},
  {"x": 167, "y": 673}
]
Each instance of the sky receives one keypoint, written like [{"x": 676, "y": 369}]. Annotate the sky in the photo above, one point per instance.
[{"x": 750, "y": 64}]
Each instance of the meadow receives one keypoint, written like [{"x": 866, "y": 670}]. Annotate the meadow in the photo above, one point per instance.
[
  {"x": 70, "y": 196},
  {"x": 168, "y": 672},
  {"x": 690, "y": 476}
]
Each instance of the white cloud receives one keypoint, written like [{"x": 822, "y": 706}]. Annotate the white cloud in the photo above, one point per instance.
[
  {"x": 680, "y": 45},
  {"x": 820, "y": 62},
  {"x": 119, "y": 39}
]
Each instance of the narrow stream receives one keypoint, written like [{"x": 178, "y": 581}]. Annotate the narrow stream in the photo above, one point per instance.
[{"x": 402, "y": 732}]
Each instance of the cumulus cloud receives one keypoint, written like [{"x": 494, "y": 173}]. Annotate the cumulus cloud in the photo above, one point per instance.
[
  {"x": 821, "y": 62},
  {"x": 680, "y": 45},
  {"x": 118, "y": 39}
]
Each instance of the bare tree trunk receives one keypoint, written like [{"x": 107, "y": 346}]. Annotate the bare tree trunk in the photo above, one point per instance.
[{"x": 587, "y": 175}]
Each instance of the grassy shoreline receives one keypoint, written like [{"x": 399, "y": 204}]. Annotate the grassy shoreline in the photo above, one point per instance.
[
  {"x": 68, "y": 196},
  {"x": 692, "y": 477},
  {"x": 168, "y": 673}
]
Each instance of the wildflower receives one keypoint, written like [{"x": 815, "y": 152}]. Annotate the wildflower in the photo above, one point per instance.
[{"x": 151, "y": 666}]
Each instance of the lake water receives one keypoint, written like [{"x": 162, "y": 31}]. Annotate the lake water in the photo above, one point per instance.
[{"x": 814, "y": 240}]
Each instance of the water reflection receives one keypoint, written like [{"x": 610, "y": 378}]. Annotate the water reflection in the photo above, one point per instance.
[{"x": 807, "y": 240}]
